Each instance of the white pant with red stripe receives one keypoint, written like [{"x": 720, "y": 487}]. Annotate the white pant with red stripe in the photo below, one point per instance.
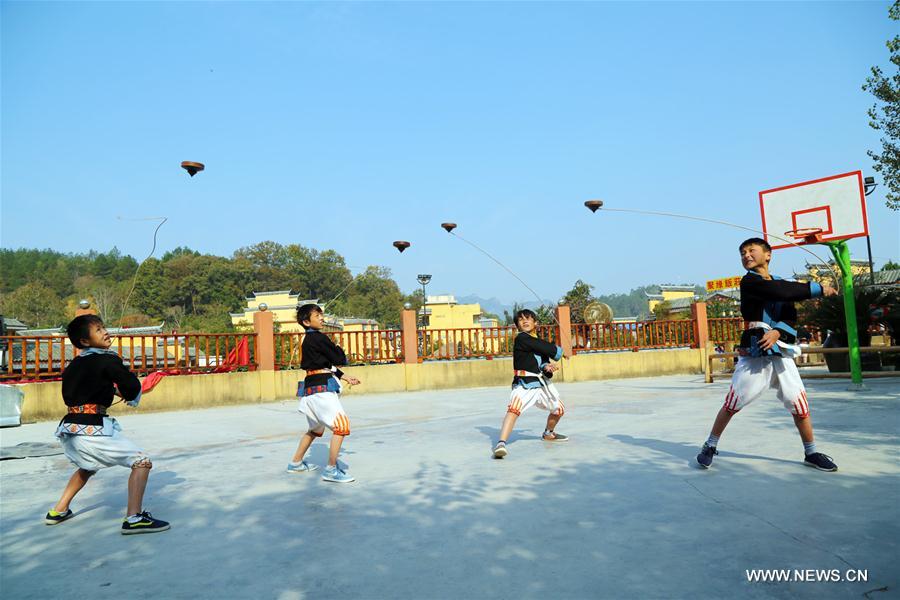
[
  {"x": 754, "y": 375},
  {"x": 324, "y": 410},
  {"x": 547, "y": 398}
]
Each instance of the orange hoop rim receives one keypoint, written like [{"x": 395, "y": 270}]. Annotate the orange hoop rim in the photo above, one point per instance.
[{"x": 807, "y": 234}]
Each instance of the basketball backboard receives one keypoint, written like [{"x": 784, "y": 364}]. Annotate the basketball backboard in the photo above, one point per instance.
[{"x": 836, "y": 205}]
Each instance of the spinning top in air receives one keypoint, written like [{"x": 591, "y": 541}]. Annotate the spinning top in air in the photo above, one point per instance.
[
  {"x": 192, "y": 167},
  {"x": 449, "y": 227},
  {"x": 401, "y": 246},
  {"x": 594, "y": 205}
]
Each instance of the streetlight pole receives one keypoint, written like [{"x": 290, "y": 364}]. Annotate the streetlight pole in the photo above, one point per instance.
[{"x": 423, "y": 279}]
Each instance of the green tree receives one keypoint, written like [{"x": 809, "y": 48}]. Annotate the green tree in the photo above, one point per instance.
[
  {"x": 723, "y": 308},
  {"x": 415, "y": 300},
  {"x": 179, "y": 283},
  {"x": 150, "y": 289},
  {"x": 578, "y": 298},
  {"x": 35, "y": 304},
  {"x": 54, "y": 269},
  {"x": 198, "y": 290},
  {"x": 179, "y": 251},
  {"x": 124, "y": 268},
  {"x": 174, "y": 316},
  {"x": 661, "y": 310},
  {"x": 197, "y": 281},
  {"x": 545, "y": 314},
  {"x": 884, "y": 116},
  {"x": 632, "y": 304},
  {"x": 315, "y": 274},
  {"x": 212, "y": 318},
  {"x": 60, "y": 275},
  {"x": 108, "y": 299},
  {"x": 374, "y": 295},
  {"x": 103, "y": 264},
  {"x": 890, "y": 266},
  {"x": 268, "y": 261}
]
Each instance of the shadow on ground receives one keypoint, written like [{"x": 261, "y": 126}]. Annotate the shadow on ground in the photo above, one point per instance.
[{"x": 627, "y": 518}]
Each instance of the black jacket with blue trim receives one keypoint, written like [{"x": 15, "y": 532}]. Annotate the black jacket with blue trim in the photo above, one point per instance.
[
  {"x": 772, "y": 301},
  {"x": 319, "y": 352},
  {"x": 532, "y": 354},
  {"x": 92, "y": 378}
]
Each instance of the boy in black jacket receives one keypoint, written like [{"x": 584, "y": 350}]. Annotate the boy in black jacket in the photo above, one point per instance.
[
  {"x": 320, "y": 395},
  {"x": 91, "y": 439},
  {"x": 767, "y": 350},
  {"x": 531, "y": 385}
]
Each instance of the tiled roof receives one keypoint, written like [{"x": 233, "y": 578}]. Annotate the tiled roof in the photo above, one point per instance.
[
  {"x": 12, "y": 323},
  {"x": 275, "y": 293},
  {"x": 882, "y": 278},
  {"x": 42, "y": 332},
  {"x": 680, "y": 303},
  {"x": 731, "y": 294}
]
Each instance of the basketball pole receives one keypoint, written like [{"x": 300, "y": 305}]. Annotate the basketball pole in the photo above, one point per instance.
[{"x": 841, "y": 254}]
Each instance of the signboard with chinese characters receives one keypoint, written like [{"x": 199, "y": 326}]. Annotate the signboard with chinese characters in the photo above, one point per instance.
[{"x": 726, "y": 283}]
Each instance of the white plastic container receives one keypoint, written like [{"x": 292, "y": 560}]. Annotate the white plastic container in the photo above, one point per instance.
[{"x": 11, "y": 398}]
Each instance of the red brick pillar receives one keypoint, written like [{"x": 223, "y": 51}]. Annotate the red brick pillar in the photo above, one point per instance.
[
  {"x": 410, "y": 336},
  {"x": 701, "y": 325},
  {"x": 264, "y": 326},
  {"x": 564, "y": 316}
]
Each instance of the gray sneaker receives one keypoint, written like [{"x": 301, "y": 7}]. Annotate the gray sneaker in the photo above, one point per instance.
[
  {"x": 705, "y": 458},
  {"x": 335, "y": 475},
  {"x": 500, "y": 450},
  {"x": 301, "y": 467},
  {"x": 555, "y": 437}
]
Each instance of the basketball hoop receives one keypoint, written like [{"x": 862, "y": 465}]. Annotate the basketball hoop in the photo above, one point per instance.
[
  {"x": 835, "y": 204},
  {"x": 809, "y": 235}
]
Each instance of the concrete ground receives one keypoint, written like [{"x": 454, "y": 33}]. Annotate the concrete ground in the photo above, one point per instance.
[{"x": 618, "y": 512}]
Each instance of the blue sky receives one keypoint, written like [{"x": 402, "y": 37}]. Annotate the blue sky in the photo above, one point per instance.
[{"x": 351, "y": 125}]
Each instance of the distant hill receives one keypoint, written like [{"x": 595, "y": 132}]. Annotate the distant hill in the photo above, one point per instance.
[
  {"x": 496, "y": 306},
  {"x": 631, "y": 304},
  {"x": 628, "y": 304}
]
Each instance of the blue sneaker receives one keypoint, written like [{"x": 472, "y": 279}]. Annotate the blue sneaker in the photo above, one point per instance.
[
  {"x": 820, "y": 461},
  {"x": 301, "y": 467},
  {"x": 336, "y": 475}
]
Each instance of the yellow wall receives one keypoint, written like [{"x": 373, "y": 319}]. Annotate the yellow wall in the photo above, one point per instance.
[
  {"x": 43, "y": 401},
  {"x": 617, "y": 365},
  {"x": 672, "y": 295},
  {"x": 453, "y": 316},
  {"x": 668, "y": 295},
  {"x": 286, "y": 318}
]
